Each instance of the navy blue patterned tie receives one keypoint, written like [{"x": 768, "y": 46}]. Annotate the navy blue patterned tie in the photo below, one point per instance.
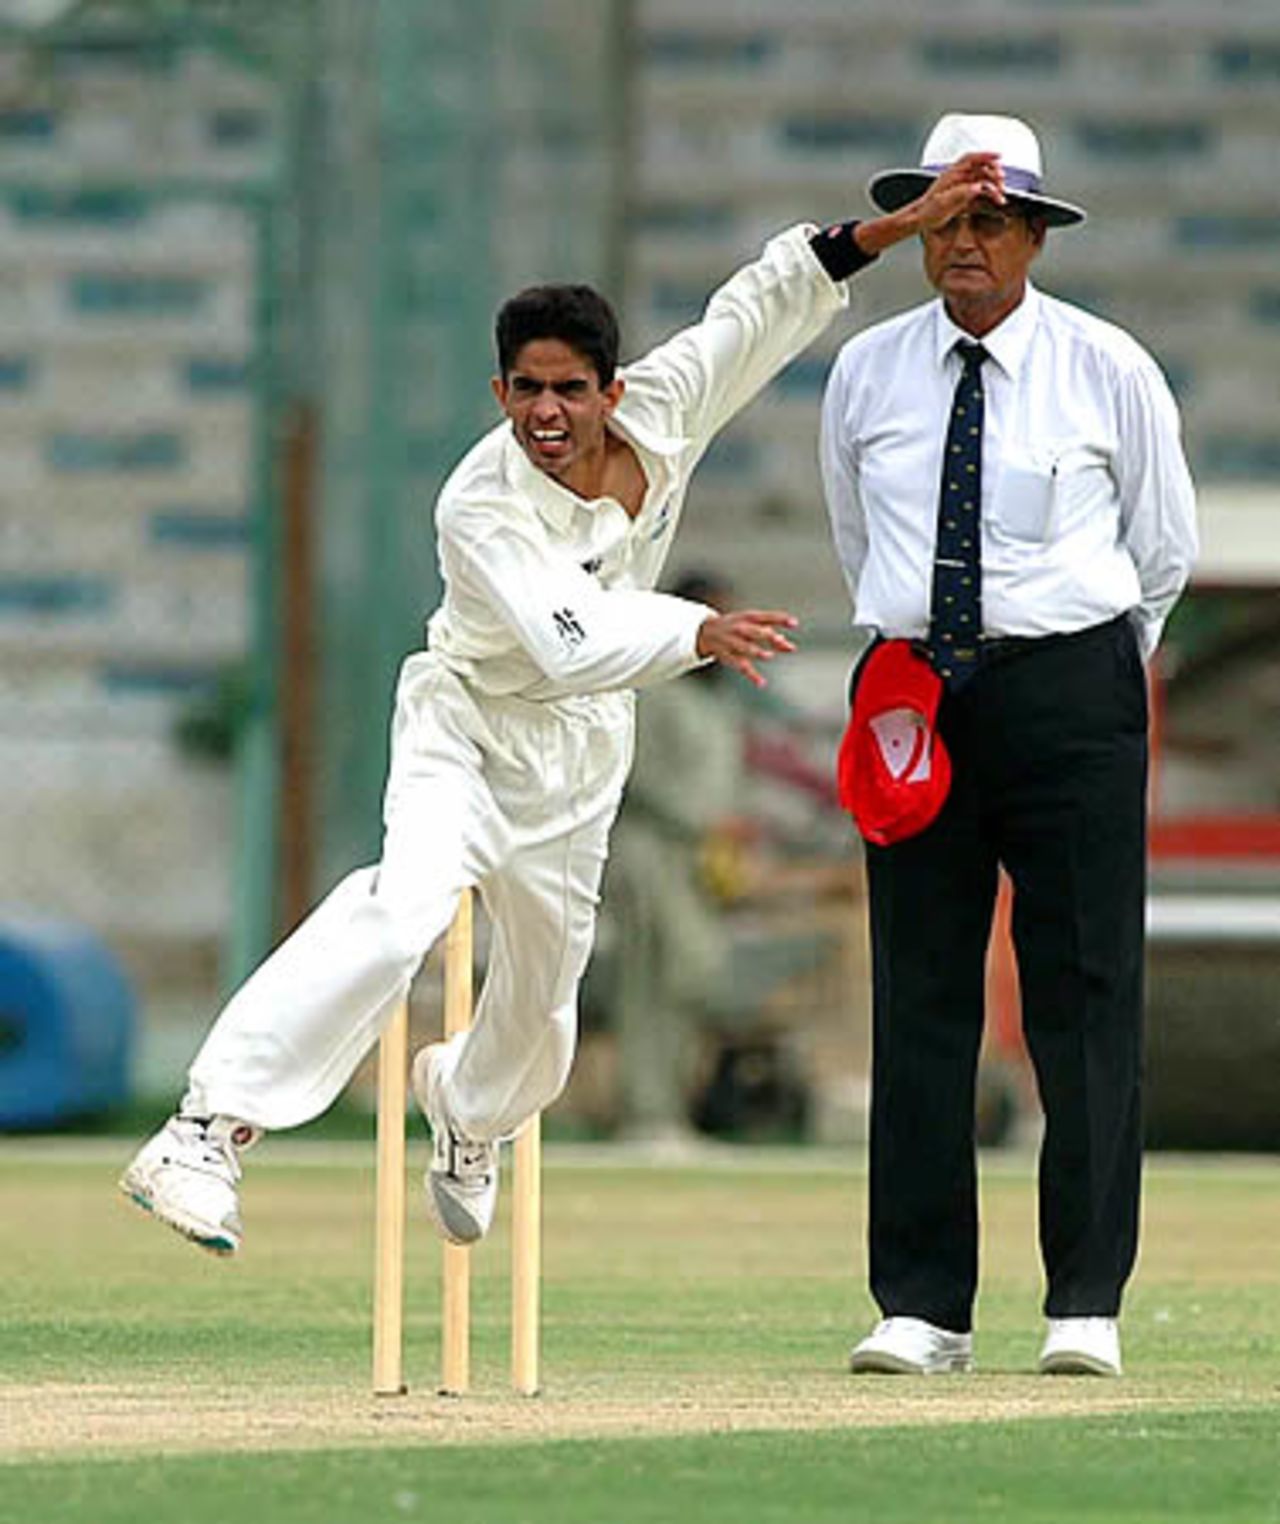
[{"x": 955, "y": 616}]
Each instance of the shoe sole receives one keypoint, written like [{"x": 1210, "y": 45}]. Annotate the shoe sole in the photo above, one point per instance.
[
  {"x": 419, "y": 1079},
  {"x": 220, "y": 1245},
  {"x": 881, "y": 1363},
  {"x": 1075, "y": 1363},
  {"x": 438, "y": 1222}
]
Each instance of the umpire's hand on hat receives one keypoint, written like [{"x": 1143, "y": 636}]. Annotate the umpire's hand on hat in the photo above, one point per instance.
[{"x": 972, "y": 178}]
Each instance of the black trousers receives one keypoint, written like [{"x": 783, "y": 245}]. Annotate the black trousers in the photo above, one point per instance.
[{"x": 1048, "y": 744}]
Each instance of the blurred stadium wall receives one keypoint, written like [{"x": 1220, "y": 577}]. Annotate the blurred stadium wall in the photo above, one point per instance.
[
  {"x": 250, "y": 253},
  {"x": 250, "y": 257}
]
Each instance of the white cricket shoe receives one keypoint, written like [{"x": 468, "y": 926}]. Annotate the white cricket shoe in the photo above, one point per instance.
[
  {"x": 912, "y": 1347},
  {"x": 186, "y": 1175},
  {"x": 1081, "y": 1347},
  {"x": 462, "y": 1178}
]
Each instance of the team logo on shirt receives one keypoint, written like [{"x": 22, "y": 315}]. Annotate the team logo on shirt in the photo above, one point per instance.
[
  {"x": 662, "y": 523},
  {"x": 568, "y": 629},
  {"x": 592, "y": 566}
]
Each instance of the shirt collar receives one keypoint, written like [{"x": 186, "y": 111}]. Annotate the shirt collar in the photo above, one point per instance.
[
  {"x": 1008, "y": 341},
  {"x": 554, "y": 503},
  {"x": 626, "y": 420}
]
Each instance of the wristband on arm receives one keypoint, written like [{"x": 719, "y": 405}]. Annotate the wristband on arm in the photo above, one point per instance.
[{"x": 838, "y": 252}]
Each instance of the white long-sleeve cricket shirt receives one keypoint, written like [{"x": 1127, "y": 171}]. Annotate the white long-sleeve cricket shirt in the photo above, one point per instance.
[
  {"x": 546, "y": 594},
  {"x": 1088, "y": 509}
]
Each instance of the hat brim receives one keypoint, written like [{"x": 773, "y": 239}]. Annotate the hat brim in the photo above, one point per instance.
[{"x": 892, "y": 189}]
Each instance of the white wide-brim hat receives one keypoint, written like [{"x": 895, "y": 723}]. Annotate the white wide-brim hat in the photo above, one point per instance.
[{"x": 956, "y": 135}]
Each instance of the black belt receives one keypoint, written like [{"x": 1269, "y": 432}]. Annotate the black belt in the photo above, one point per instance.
[{"x": 997, "y": 647}]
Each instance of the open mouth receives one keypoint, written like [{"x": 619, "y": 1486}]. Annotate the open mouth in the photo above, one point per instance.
[{"x": 549, "y": 441}]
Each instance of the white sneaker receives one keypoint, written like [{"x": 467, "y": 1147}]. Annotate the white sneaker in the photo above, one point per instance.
[
  {"x": 186, "y": 1175},
  {"x": 462, "y": 1179},
  {"x": 912, "y": 1347},
  {"x": 1081, "y": 1347}
]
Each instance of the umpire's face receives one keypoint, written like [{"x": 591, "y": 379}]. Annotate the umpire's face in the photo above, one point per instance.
[
  {"x": 978, "y": 262},
  {"x": 557, "y": 407}
]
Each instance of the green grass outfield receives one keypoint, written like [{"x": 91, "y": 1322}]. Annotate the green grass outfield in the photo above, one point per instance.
[{"x": 696, "y": 1324}]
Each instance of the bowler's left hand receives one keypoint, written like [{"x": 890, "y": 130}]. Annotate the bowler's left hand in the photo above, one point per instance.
[{"x": 745, "y": 637}]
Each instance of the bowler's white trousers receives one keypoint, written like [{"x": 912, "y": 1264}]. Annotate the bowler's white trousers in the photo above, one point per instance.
[{"x": 512, "y": 797}]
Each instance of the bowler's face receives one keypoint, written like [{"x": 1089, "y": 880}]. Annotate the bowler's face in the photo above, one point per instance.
[
  {"x": 979, "y": 261},
  {"x": 557, "y": 407}
]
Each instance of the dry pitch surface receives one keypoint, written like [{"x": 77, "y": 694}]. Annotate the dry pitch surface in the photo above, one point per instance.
[
  {"x": 53, "y": 1419},
  {"x": 716, "y": 1299}
]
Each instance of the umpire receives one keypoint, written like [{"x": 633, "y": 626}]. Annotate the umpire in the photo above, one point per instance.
[{"x": 1007, "y": 489}]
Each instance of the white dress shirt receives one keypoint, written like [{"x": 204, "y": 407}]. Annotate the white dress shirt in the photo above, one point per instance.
[
  {"x": 548, "y": 595},
  {"x": 1088, "y": 509}
]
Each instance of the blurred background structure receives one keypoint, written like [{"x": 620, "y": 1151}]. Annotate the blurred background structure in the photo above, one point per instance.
[{"x": 249, "y": 252}]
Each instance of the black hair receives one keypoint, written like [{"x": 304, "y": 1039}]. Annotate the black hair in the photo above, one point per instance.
[{"x": 576, "y": 315}]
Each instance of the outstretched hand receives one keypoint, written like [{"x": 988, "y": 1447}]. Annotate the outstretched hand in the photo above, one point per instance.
[{"x": 745, "y": 637}]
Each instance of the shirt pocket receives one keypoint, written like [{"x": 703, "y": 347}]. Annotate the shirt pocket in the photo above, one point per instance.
[
  {"x": 1082, "y": 487},
  {"x": 1023, "y": 497}
]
